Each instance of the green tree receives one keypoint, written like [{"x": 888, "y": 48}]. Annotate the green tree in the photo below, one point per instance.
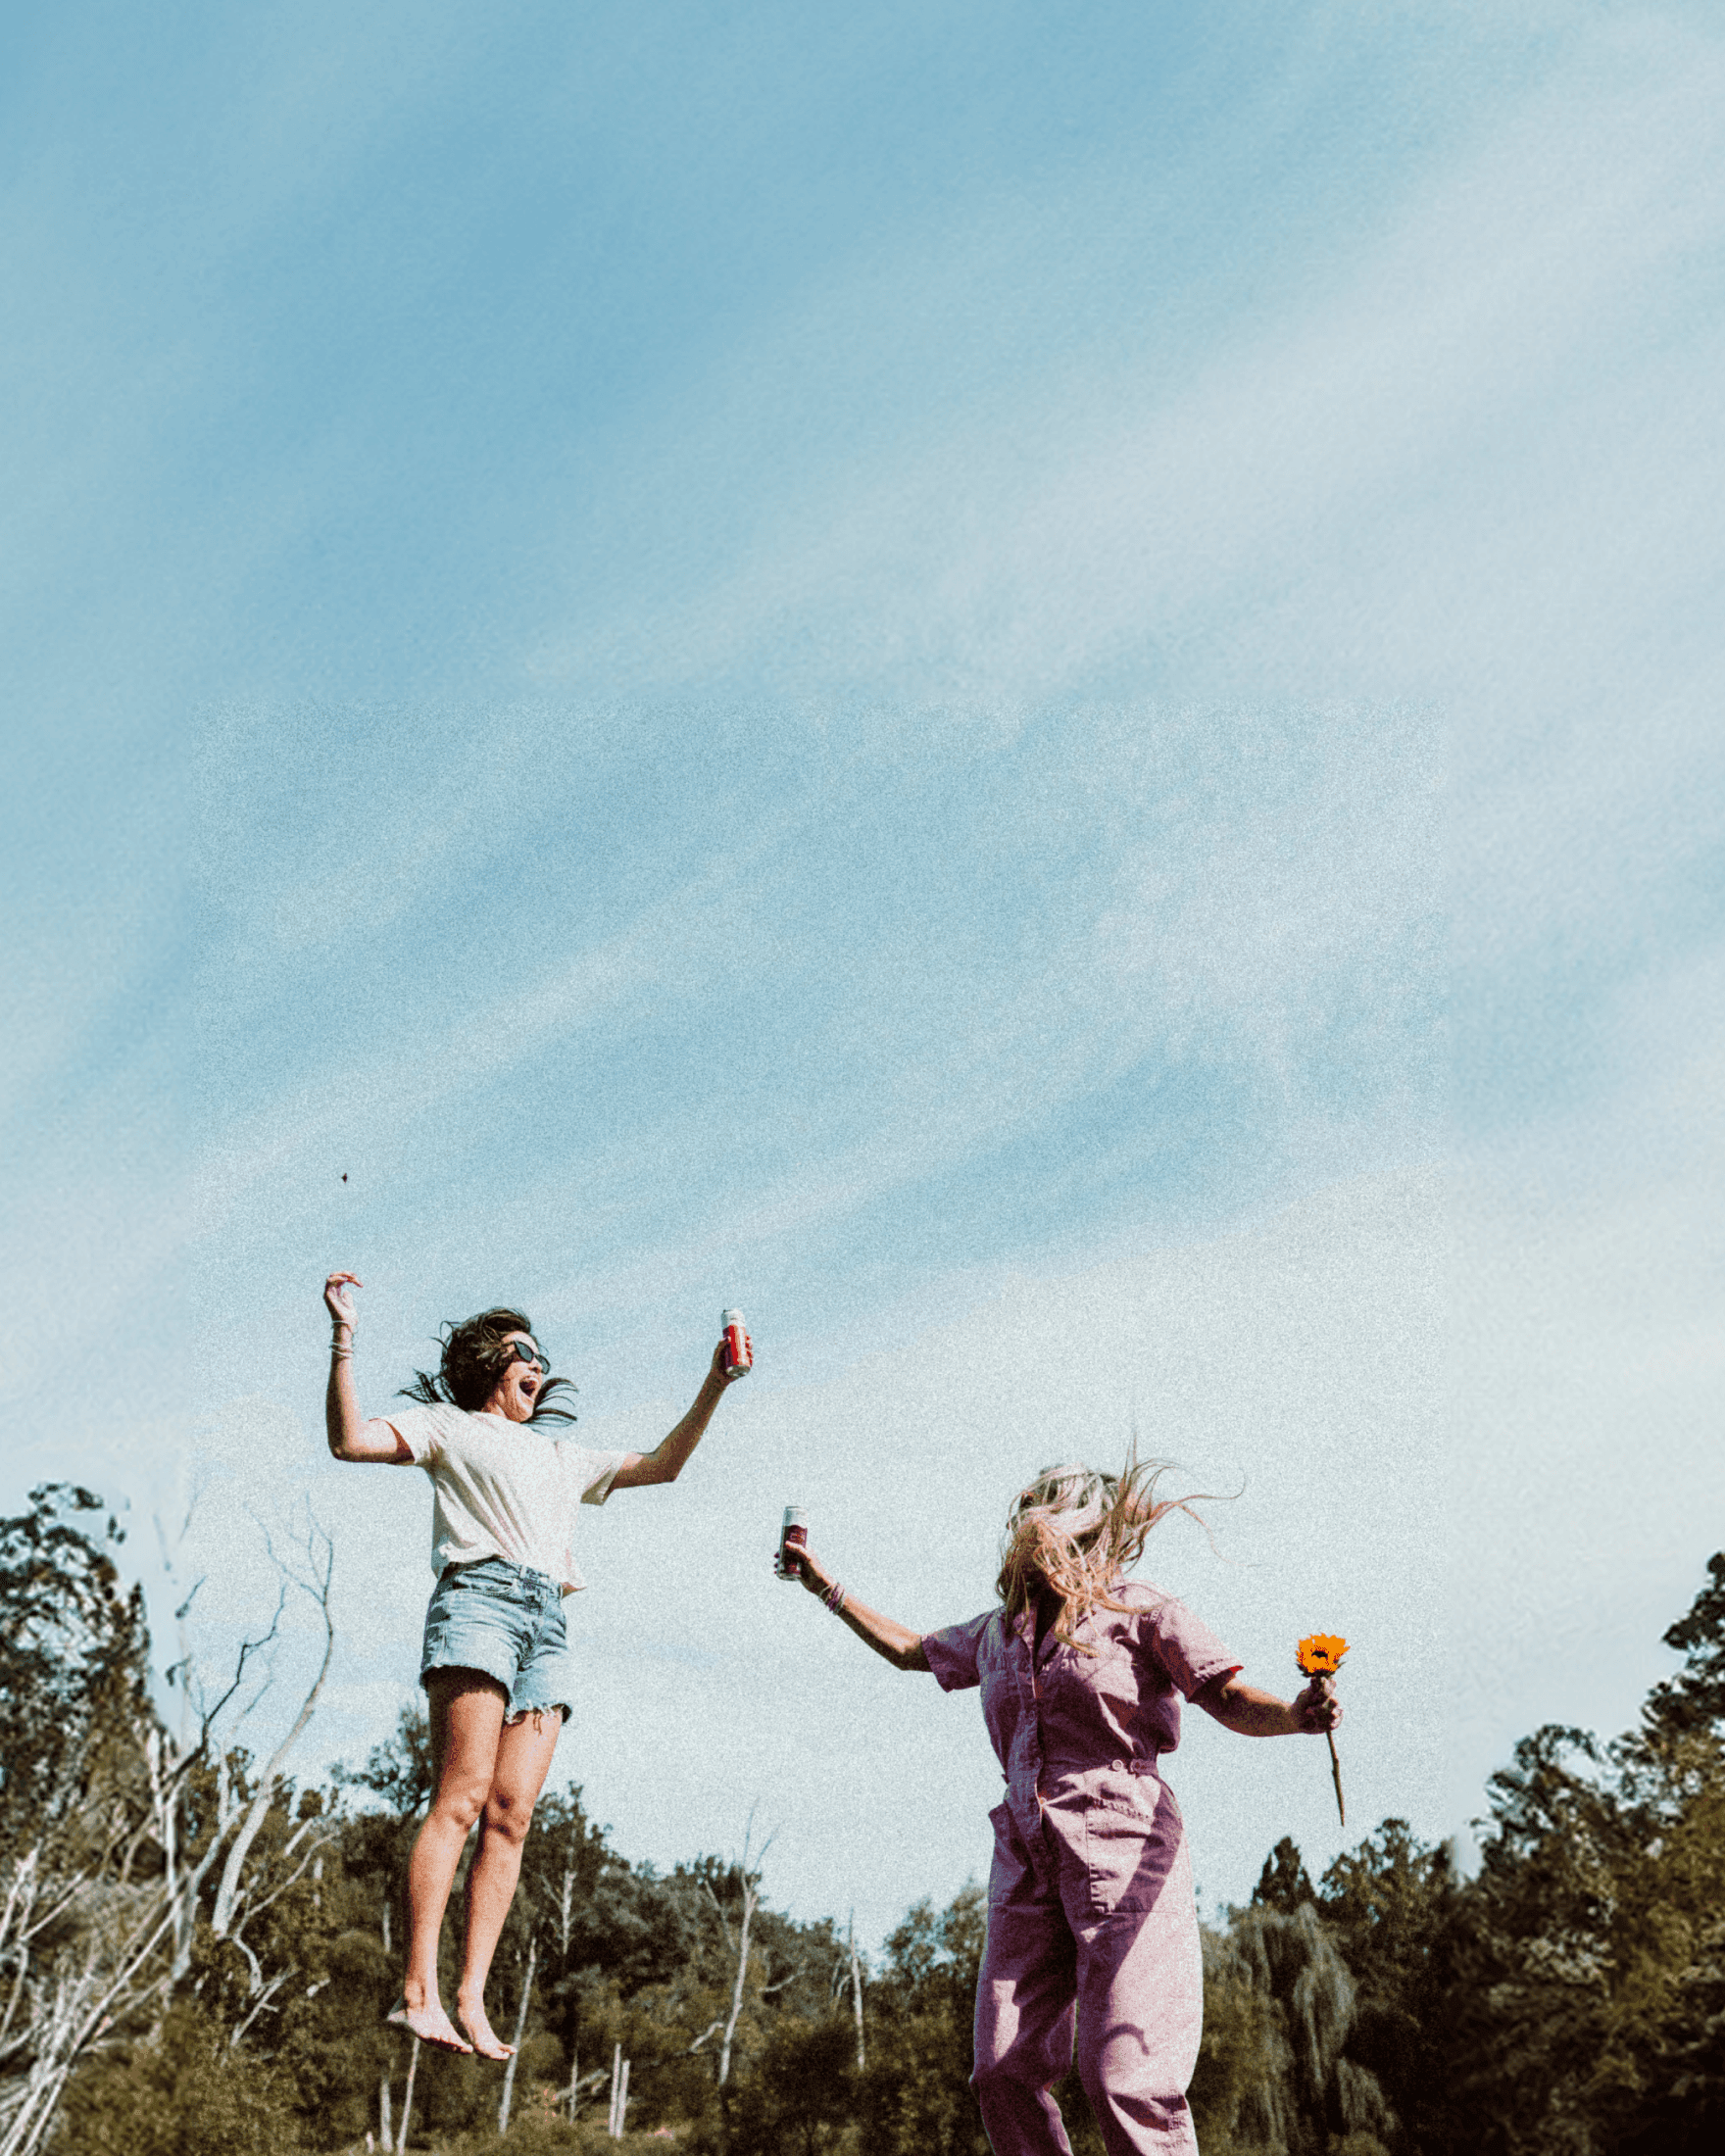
[
  {"x": 1283, "y": 1884},
  {"x": 184, "y": 2090},
  {"x": 916, "y": 2094}
]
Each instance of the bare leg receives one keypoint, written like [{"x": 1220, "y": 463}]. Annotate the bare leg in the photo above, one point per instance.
[
  {"x": 467, "y": 1722},
  {"x": 524, "y": 1759}
]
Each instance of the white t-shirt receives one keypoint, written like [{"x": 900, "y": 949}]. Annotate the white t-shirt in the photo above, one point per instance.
[{"x": 503, "y": 1489}]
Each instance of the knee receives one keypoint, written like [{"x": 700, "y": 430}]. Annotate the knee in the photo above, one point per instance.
[
  {"x": 460, "y": 1803},
  {"x": 509, "y": 1815},
  {"x": 1014, "y": 2068}
]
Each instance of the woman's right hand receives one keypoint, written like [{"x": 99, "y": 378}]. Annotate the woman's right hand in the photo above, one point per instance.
[
  {"x": 340, "y": 1306},
  {"x": 809, "y": 1569}
]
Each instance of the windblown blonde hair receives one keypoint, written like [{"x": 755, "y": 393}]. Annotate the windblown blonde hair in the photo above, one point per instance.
[{"x": 1079, "y": 1531}]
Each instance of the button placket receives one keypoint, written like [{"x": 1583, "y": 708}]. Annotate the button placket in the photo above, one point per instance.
[{"x": 1030, "y": 1654}]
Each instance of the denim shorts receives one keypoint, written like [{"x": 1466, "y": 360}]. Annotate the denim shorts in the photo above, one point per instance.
[{"x": 505, "y": 1621}]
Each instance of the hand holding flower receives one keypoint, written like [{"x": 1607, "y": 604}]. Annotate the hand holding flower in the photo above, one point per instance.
[{"x": 1319, "y": 1658}]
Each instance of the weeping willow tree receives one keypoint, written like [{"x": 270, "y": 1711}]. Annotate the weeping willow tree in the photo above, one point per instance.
[{"x": 1272, "y": 2076}]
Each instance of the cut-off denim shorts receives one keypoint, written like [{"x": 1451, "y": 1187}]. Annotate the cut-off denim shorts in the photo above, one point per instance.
[{"x": 505, "y": 1621}]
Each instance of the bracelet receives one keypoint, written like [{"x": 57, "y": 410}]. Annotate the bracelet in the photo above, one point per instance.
[{"x": 834, "y": 1598}]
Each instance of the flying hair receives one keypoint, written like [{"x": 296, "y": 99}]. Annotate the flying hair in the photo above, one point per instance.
[
  {"x": 1077, "y": 1531},
  {"x": 474, "y": 1359}
]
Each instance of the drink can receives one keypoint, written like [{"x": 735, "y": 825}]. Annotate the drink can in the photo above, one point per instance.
[
  {"x": 738, "y": 1354},
  {"x": 793, "y": 1535}
]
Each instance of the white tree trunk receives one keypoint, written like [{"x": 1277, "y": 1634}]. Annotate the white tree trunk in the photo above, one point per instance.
[
  {"x": 856, "y": 1990},
  {"x": 508, "y": 2072},
  {"x": 407, "y": 2099},
  {"x": 730, "y": 2027},
  {"x": 222, "y": 1916}
]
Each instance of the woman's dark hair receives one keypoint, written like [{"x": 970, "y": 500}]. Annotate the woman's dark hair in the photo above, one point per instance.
[{"x": 475, "y": 1357}]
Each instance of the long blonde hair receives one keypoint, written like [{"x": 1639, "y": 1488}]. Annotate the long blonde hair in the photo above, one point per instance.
[{"x": 1076, "y": 1531}]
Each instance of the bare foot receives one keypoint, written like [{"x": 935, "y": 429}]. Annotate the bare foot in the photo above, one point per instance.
[
  {"x": 486, "y": 2042},
  {"x": 430, "y": 2023}
]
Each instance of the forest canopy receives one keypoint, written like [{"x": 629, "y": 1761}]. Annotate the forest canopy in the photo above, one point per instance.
[{"x": 196, "y": 1951}]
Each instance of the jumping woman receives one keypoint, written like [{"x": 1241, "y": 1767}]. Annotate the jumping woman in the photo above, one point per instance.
[
  {"x": 1090, "y": 1903},
  {"x": 496, "y": 1667}
]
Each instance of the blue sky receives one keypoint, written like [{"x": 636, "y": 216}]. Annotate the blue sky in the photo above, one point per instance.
[{"x": 1036, "y": 691}]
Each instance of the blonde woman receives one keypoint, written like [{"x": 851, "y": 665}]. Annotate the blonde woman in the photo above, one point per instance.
[{"x": 1090, "y": 1906}]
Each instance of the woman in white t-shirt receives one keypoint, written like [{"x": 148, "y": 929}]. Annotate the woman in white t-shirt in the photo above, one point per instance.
[{"x": 496, "y": 1665}]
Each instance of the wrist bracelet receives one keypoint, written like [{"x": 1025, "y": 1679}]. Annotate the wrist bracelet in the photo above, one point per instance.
[
  {"x": 340, "y": 1354},
  {"x": 834, "y": 1598}
]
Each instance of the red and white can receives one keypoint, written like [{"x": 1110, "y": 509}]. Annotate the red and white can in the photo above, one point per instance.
[
  {"x": 793, "y": 1535},
  {"x": 738, "y": 1354}
]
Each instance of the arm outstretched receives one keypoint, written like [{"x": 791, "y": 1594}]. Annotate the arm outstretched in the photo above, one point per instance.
[
  {"x": 894, "y": 1642},
  {"x": 670, "y": 1455},
  {"x": 351, "y": 1437},
  {"x": 1240, "y": 1707}
]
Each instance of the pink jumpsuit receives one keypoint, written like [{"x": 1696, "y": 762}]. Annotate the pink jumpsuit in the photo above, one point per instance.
[{"x": 1090, "y": 1904}]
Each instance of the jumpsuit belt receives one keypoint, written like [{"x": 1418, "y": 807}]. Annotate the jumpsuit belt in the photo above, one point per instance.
[{"x": 1080, "y": 1770}]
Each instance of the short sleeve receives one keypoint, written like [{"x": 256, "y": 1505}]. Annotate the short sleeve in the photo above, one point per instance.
[
  {"x": 590, "y": 1474},
  {"x": 1186, "y": 1647},
  {"x": 423, "y": 1430},
  {"x": 952, "y": 1654}
]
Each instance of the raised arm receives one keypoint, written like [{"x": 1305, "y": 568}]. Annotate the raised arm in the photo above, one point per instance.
[
  {"x": 669, "y": 1457},
  {"x": 894, "y": 1642},
  {"x": 350, "y": 1437},
  {"x": 1240, "y": 1707}
]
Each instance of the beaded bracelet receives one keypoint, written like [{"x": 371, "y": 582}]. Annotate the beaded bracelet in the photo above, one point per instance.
[{"x": 834, "y": 1598}]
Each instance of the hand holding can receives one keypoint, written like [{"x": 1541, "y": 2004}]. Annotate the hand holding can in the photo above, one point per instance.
[
  {"x": 739, "y": 1350},
  {"x": 792, "y": 1536}
]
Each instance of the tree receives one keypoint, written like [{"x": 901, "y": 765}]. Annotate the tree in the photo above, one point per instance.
[
  {"x": 114, "y": 1827},
  {"x": 1283, "y": 1884},
  {"x": 916, "y": 2093},
  {"x": 1274, "y": 2071}
]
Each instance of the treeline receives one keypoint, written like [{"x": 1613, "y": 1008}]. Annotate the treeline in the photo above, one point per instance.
[{"x": 196, "y": 1954}]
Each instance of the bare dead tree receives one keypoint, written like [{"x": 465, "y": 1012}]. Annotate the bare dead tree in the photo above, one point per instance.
[
  {"x": 314, "y": 1580},
  {"x": 749, "y": 1876},
  {"x": 94, "y": 1950},
  {"x": 855, "y": 1988},
  {"x": 407, "y": 2099},
  {"x": 508, "y": 2072}
]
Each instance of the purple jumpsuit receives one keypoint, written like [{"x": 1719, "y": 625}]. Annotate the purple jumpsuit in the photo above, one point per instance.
[{"x": 1090, "y": 1903}]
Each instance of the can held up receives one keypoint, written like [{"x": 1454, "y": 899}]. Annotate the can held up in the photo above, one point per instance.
[
  {"x": 793, "y": 1535},
  {"x": 739, "y": 1354}
]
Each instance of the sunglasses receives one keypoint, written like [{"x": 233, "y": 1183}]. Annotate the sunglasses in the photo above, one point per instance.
[{"x": 524, "y": 1350}]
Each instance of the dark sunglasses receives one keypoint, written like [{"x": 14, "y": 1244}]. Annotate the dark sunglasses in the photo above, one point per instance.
[{"x": 524, "y": 1350}]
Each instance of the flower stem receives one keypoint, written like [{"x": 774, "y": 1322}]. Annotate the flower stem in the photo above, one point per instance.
[{"x": 1336, "y": 1778}]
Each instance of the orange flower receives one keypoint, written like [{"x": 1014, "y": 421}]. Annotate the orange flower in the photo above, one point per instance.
[{"x": 1321, "y": 1655}]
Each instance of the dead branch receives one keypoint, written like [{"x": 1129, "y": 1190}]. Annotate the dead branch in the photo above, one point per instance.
[{"x": 320, "y": 1559}]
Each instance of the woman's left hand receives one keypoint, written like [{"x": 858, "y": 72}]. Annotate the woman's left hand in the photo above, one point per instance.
[
  {"x": 721, "y": 1369},
  {"x": 1316, "y": 1710}
]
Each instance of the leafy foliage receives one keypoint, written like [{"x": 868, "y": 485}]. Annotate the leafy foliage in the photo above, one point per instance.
[{"x": 1569, "y": 2000}]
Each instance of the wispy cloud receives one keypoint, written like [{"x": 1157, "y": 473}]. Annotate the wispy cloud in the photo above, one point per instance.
[{"x": 1419, "y": 474}]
